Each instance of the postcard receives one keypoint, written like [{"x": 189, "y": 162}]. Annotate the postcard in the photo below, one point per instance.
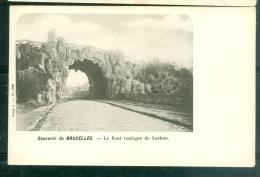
[{"x": 132, "y": 86}]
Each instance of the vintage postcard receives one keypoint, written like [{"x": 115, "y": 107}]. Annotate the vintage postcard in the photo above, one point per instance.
[{"x": 142, "y": 86}]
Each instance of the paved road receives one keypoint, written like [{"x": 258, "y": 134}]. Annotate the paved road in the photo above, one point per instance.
[{"x": 86, "y": 115}]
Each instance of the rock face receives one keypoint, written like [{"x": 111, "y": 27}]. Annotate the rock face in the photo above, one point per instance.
[{"x": 42, "y": 69}]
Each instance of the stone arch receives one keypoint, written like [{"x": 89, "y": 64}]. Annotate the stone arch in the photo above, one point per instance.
[{"x": 98, "y": 82}]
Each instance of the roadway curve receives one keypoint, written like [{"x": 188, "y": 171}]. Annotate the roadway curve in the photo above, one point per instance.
[{"x": 87, "y": 115}]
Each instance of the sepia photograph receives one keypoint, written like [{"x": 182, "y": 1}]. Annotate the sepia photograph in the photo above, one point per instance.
[
  {"x": 131, "y": 86},
  {"x": 104, "y": 72}
]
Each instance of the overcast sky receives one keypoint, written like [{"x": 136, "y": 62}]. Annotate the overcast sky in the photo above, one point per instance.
[{"x": 139, "y": 37}]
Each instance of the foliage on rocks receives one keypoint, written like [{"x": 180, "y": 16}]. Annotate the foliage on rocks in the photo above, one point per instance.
[{"x": 167, "y": 78}]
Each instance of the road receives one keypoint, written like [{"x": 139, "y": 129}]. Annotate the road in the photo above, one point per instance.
[{"x": 87, "y": 115}]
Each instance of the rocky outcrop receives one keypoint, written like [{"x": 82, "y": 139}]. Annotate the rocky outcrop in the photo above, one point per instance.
[{"x": 42, "y": 69}]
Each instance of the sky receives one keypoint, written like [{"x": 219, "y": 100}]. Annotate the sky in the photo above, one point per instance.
[{"x": 139, "y": 37}]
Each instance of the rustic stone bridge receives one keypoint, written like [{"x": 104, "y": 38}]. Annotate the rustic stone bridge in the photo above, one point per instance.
[{"x": 42, "y": 69}]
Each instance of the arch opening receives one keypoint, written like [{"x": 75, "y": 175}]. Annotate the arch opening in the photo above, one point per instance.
[
  {"x": 96, "y": 79},
  {"x": 77, "y": 84}
]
